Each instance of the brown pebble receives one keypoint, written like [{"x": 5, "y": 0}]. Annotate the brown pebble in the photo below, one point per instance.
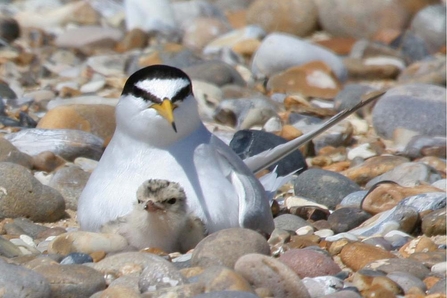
[
  {"x": 51, "y": 232},
  {"x": 420, "y": 244},
  {"x": 430, "y": 281},
  {"x": 356, "y": 255},
  {"x": 220, "y": 278},
  {"x": 98, "y": 255},
  {"x": 191, "y": 271},
  {"x": 289, "y": 132},
  {"x": 47, "y": 161}
]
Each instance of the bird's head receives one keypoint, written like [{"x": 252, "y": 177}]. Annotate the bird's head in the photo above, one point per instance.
[
  {"x": 157, "y": 195},
  {"x": 158, "y": 100}
]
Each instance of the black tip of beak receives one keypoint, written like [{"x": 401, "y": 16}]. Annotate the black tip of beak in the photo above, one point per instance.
[{"x": 174, "y": 127}]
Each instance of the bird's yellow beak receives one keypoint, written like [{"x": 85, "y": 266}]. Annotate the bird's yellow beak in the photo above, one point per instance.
[{"x": 166, "y": 110}]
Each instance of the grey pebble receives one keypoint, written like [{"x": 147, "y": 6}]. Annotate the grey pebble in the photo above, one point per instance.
[
  {"x": 406, "y": 281},
  {"x": 354, "y": 199},
  {"x": 67, "y": 143},
  {"x": 347, "y": 218},
  {"x": 226, "y": 246},
  {"x": 76, "y": 258},
  {"x": 401, "y": 105},
  {"x": 160, "y": 274},
  {"x": 290, "y": 222},
  {"x": 18, "y": 281},
  {"x": 22, "y": 195},
  {"x": 69, "y": 181},
  {"x": 406, "y": 265},
  {"x": 324, "y": 187},
  {"x": 439, "y": 287},
  {"x": 72, "y": 280}
]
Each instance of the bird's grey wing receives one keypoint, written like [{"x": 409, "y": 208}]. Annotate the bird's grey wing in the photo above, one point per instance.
[
  {"x": 254, "y": 207},
  {"x": 266, "y": 158}
]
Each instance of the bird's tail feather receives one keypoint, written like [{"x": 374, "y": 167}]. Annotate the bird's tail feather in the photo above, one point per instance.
[{"x": 266, "y": 158}]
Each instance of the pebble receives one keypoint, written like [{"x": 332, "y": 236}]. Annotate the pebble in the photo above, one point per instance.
[
  {"x": 279, "y": 51},
  {"x": 72, "y": 280},
  {"x": 397, "y": 264},
  {"x": 18, "y": 281},
  {"x": 226, "y": 246},
  {"x": 289, "y": 222},
  {"x": 429, "y": 24},
  {"x": 294, "y": 17},
  {"x": 322, "y": 285},
  {"x": 9, "y": 153},
  {"x": 264, "y": 271},
  {"x": 324, "y": 187},
  {"x": 345, "y": 219},
  {"x": 357, "y": 255},
  {"x": 202, "y": 31},
  {"x": 406, "y": 281},
  {"x": 416, "y": 101},
  {"x": 434, "y": 223},
  {"x": 309, "y": 263},
  {"x": 215, "y": 72},
  {"x": 88, "y": 36},
  {"x": 220, "y": 278},
  {"x": 160, "y": 274},
  {"x": 66, "y": 143},
  {"x": 22, "y": 195},
  {"x": 70, "y": 182},
  {"x": 86, "y": 242}
]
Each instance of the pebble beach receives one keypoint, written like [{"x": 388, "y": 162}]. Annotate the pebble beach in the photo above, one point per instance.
[{"x": 365, "y": 212}]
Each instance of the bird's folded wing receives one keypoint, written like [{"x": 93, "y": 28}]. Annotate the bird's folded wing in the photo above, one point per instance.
[
  {"x": 266, "y": 158},
  {"x": 254, "y": 209}
]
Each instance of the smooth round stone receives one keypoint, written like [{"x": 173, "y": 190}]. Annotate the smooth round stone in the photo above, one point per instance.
[
  {"x": 375, "y": 284},
  {"x": 408, "y": 174},
  {"x": 70, "y": 181},
  {"x": 440, "y": 268},
  {"x": 429, "y": 259},
  {"x": 290, "y": 222},
  {"x": 86, "y": 242},
  {"x": 406, "y": 281},
  {"x": 345, "y": 293},
  {"x": 24, "y": 196},
  {"x": 18, "y": 281},
  {"x": 126, "y": 263},
  {"x": 373, "y": 167},
  {"x": 295, "y": 17},
  {"x": 279, "y": 51},
  {"x": 161, "y": 274},
  {"x": 324, "y": 233},
  {"x": 218, "y": 73},
  {"x": 202, "y": 30},
  {"x": 364, "y": 19},
  {"x": 347, "y": 218},
  {"x": 429, "y": 71},
  {"x": 312, "y": 79},
  {"x": 88, "y": 36},
  {"x": 378, "y": 241},
  {"x": 401, "y": 105},
  {"x": 412, "y": 46},
  {"x": 76, "y": 258},
  {"x": 233, "y": 38},
  {"x": 82, "y": 117},
  {"x": 324, "y": 187},
  {"x": 72, "y": 280},
  {"x": 420, "y": 244},
  {"x": 386, "y": 195},
  {"x": 353, "y": 199},
  {"x": 429, "y": 23},
  {"x": 396, "y": 264},
  {"x": 434, "y": 223},
  {"x": 309, "y": 263},
  {"x": 244, "y": 113},
  {"x": 322, "y": 285},
  {"x": 47, "y": 161},
  {"x": 28, "y": 227},
  {"x": 247, "y": 143},
  {"x": 67, "y": 143},
  {"x": 117, "y": 292},
  {"x": 265, "y": 272},
  {"x": 356, "y": 255},
  {"x": 9, "y": 29},
  {"x": 220, "y": 278},
  {"x": 226, "y": 246},
  {"x": 9, "y": 153}
]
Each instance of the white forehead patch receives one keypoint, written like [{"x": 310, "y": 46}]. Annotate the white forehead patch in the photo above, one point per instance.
[{"x": 163, "y": 87}]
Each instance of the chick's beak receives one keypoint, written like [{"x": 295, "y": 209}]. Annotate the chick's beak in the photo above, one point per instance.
[
  {"x": 151, "y": 206},
  {"x": 166, "y": 110}
]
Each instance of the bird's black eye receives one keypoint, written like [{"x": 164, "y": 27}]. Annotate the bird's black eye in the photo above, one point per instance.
[{"x": 171, "y": 201}]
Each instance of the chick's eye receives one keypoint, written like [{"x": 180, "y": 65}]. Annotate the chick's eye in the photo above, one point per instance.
[{"x": 171, "y": 201}]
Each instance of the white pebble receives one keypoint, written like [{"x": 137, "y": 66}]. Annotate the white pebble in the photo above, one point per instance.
[
  {"x": 306, "y": 230},
  {"x": 324, "y": 233}
]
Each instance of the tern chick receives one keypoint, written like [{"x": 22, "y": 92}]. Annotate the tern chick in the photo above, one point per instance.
[{"x": 159, "y": 219}]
